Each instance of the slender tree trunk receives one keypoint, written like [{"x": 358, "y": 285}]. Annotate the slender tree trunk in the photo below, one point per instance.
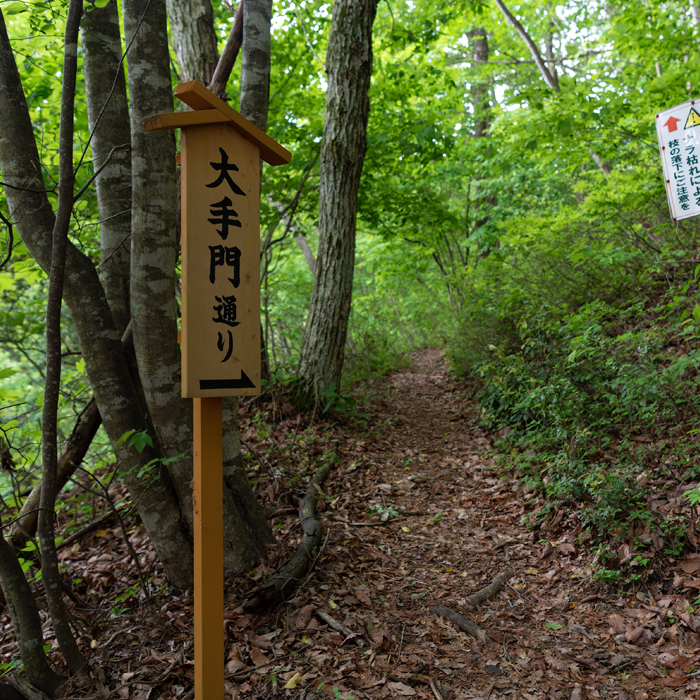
[
  {"x": 49, "y": 424},
  {"x": 255, "y": 95},
  {"x": 255, "y": 75},
  {"x": 480, "y": 94},
  {"x": 480, "y": 86},
  {"x": 192, "y": 27},
  {"x": 349, "y": 70},
  {"x": 100, "y": 343},
  {"x": 154, "y": 251},
  {"x": 72, "y": 454},
  {"x": 550, "y": 78},
  {"x": 246, "y": 519},
  {"x": 26, "y": 622},
  {"x": 108, "y": 118}
]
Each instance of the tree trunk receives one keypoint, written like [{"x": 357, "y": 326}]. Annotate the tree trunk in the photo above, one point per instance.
[
  {"x": 154, "y": 251},
  {"x": 192, "y": 27},
  {"x": 480, "y": 94},
  {"x": 255, "y": 76},
  {"x": 246, "y": 531},
  {"x": 26, "y": 621},
  {"x": 108, "y": 118},
  {"x": 349, "y": 69},
  {"x": 247, "y": 519},
  {"x": 50, "y": 575},
  {"x": 229, "y": 55},
  {"x": 255, "y": 95},
  {"x": 99, "y": 341},
  {"x": 480, "y": 86},
  {"x": 153, "y": 307},
  {"x": 549, "y": 77},
  {"x": 72, "y": 455}
]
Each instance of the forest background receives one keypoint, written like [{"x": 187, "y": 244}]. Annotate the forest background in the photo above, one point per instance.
[{"x": 511, "y": 210}]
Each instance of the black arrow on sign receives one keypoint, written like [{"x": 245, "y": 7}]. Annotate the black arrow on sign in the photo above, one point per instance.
[{"x": 243, "y": 383}]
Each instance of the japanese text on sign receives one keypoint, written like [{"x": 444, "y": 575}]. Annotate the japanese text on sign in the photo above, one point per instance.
[
  {"x": 225, "y": 308},
  {"x": 678, "y": 131},
  {"x": 221, "y": 264}
]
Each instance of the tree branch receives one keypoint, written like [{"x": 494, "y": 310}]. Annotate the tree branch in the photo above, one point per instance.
[
  {"x": 223, "y": 69},
  {"x": 550, "y": 78},
  {"x": 49, "y": 560}
]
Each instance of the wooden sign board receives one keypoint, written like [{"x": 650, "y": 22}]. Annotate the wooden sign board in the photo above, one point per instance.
[
  {"x": 220, "y": 161},
  {"x": 220, "y": 262}
]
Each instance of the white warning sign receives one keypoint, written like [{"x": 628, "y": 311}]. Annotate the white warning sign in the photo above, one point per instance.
[{"x": 678, "y": 130}]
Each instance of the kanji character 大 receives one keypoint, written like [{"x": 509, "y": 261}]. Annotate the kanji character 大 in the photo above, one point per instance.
[{"x": 224, "y": 167}]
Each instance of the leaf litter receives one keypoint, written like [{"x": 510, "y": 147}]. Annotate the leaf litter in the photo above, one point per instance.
[{"x": 416, "y": 516}]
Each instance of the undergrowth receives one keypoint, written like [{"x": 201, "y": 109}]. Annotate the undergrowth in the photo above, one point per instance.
[{"x": 598, "y": 410}]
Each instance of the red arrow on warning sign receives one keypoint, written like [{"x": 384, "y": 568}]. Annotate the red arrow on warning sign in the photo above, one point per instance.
[{"x": 671, "y": 123}]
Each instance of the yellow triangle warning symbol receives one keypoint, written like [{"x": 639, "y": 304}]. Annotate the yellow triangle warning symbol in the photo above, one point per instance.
[{"x": 693, "y": 119}]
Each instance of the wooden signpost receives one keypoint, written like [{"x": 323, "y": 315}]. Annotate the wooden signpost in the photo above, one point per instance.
[{"x": 220, "y": 175}]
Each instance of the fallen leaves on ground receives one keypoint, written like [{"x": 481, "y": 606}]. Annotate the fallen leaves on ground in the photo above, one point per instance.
[{"x": 415, "y": 515}]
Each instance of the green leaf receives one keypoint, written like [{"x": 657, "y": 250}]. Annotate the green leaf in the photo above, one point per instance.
[
  {"x": 123, "y": 439},
  {"x": 14, "y": 8},
  {"x": 553, "y": 625},
  {"x": 693, "y": 496},
  {"x": 7, "y": 372},
  {"x": 564, "y": 127}
]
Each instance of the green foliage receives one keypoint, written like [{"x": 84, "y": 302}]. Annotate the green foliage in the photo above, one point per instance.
[
  {"x": 542, "y": 257},
  {"x": 577, "y": 390},
  {"x": 385, "y": 512},
  {"x": 138, "y": 440}
]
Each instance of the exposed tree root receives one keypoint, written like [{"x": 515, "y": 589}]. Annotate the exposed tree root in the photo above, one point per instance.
[
  {"x": 479, "y": 597},
  {"x": 461, "y": 622},
  {"x": 492, "y": 589},
  {"x": 280, "y": 587}
]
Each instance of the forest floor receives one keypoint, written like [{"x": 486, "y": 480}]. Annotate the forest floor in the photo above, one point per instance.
[{"x": 415, "y": 516}]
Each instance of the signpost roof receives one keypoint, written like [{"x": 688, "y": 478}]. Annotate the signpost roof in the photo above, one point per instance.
[{"x": 210, "y": 109}]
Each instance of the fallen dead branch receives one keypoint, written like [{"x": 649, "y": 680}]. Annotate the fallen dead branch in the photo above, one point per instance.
[
  {"x": 340, "y": 627},
  {"x": 279, "y": 587},
  {"x": 495, "y": 587},
  {"x": 485, "y": 593},
  {"x": 461, "y": 622},
  {"x": 437, "y": 690}
]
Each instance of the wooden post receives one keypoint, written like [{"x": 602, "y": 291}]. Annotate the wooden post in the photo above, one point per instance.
[
  {"x": 220, "y": 162},
  {"x": 208, "y": 550}
]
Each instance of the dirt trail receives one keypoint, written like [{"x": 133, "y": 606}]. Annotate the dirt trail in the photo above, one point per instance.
[{"x": 555, "y": 634}]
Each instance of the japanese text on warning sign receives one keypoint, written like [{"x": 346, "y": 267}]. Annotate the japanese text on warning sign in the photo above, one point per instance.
[{"x": 678, "y": 131}]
